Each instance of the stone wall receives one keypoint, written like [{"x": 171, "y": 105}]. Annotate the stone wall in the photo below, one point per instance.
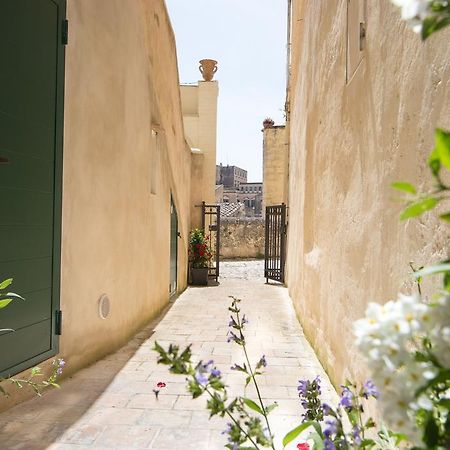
[
  {"x": 355, "y": 128},
  {"x": 242, "y": 238}
]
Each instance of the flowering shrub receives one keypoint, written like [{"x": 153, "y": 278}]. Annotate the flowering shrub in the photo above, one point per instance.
[
  {"x": 246, "y": 429},
  {"x": 243, "y": 428},
  {"x": 328, "y": 424},
  {"x": 407, "y": 347},
  {"x": 33, "y": 380},
  {"x": 199, "y": 252}
]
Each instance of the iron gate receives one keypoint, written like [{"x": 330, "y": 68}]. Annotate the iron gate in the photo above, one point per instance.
[
  {"x": 211, "y": 227},
  {"x": 275, "y": 243}
]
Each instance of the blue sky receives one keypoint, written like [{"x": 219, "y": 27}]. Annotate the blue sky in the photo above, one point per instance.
[{"x": 248, "y": 39}]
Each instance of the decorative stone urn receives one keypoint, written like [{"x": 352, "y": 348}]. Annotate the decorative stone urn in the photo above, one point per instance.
[
  {"x": 208, "y": 67},
  {"x": 268, "y": 122}
]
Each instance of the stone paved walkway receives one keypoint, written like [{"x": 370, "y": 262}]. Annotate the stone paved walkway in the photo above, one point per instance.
[{"x": 110, "y": 405}]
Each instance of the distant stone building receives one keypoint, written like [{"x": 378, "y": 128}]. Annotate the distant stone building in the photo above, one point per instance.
[
  {"x": 244, "y": 201},
  {"x": 230, "y": 176}
]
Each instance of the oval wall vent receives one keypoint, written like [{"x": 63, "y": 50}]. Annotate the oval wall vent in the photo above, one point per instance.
[{"x": 104, "y": 306}]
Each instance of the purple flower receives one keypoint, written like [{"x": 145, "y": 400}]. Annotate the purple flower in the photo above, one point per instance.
[
  {"x": 262, "y": 362},
  {"x": 203, "y": 371},
  {"x": 244, "y": 320},
  {"x": 328, "y": 444},
  {"x": 201, "y": 378},
  {"x": 228, "y": 429},
  {"x": 232, "y": 322},
  {"x": 233, "y": 337},
  {"x": 303, "y": 387},
  {"x": 356, "y": 432},
  {"x": 215, "y": 372},
  {"x": 331, "y": 427},
  {"x": 326, "y": 409},
  {"x": 59, "y": 370},
  {"x": 370, "y": 389},
  {"x": 346, "y": 398},
  {"x": 61, "y": 362}
]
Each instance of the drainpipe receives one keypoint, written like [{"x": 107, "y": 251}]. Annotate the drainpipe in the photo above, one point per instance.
[{"x": 288, "y": 58}]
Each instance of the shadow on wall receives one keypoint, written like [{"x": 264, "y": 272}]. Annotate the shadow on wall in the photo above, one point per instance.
[
  {"x": 242, "y": 238},
  {"x": 87, "y": 397}
]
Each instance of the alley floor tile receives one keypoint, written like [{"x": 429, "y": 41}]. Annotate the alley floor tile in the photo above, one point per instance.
[{"x": 120, "y": 411}]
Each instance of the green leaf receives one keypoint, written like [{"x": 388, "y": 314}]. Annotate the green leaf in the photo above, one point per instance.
[
  {"x": 443, "y": 146},
  {"x": 5, "y": 302},
  {"x": 442, "y": 377},
  {"x": 271, "y": 407},
  {"x": 432, "y": 270},
  {"x": 418, "y": 208},
  {"x": 431, "y": 432},
  {"x": 252, "y": 405},
  {"x": 405, "y": 187},
  {"x": 432, "y": 24},
  {"x": 247, "y": 380},
  {"x": 296, "y": 431},
  {"x": 6, "y": 283},
  {"x": 434, "y": 163},
  {"x": 318, "y": 441},
  {"x": 445, "y": 217},
  {"x": 367, "y": 444}
]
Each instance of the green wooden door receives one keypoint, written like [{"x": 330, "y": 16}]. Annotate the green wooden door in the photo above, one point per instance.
[
  {"x": 31, "y": 121},
  {"x": 173, "y": 247}
]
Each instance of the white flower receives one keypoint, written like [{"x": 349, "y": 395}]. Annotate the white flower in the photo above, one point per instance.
[
  {"x": 389, "y": 337},
  {"x": 414, "y": 12}
]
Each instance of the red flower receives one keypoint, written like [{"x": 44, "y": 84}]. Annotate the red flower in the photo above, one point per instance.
[
  {"x": 303, "y": 446},
  {"x": 161, "y": 385}
]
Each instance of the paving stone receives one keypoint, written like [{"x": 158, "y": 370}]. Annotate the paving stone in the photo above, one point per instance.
[{"x": 111, "y": 404}]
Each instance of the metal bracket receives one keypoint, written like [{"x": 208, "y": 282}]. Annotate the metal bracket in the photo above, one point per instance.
[
  {"x": 58, "y": 322},
  {"x": 65, "y": 32}
]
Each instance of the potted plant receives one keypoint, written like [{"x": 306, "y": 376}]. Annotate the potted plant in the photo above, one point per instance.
[{"x": 199, "y": 256}]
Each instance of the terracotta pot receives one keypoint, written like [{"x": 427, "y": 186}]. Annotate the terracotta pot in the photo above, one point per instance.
[
  {"x": 208, "y": 67},
  {"x": 199, "y": 277}
]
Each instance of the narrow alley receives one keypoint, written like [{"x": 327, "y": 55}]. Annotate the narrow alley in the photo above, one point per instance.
[{"x": 111, "y": 404}]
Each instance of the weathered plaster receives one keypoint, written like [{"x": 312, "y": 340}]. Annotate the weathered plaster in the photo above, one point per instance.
[
  {"x": 275, "y": 166},
  {"x": 121, "y": 81},
  {"x": 348, "y": 142}
]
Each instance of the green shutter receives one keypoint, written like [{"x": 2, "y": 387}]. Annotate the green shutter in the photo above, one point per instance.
[{"x": 31, "y": 126}]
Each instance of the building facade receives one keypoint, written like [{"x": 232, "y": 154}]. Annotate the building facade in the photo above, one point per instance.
[
  {"x": 230, "y": 176},
  {"x": 245, "y": 201},
  {"x": 199, "y": 109},
  {"x": 99, "y": 234}
]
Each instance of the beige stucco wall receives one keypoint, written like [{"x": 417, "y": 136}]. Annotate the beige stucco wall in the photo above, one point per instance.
[
  {"x": 197, "y": 173},
  {"x": 121, "y": 80},
  {"x": 348, "y": 142},
  {"x": 199, "y": 103},
  {"x": 275, "y": 165},
  {"x": 242, "y": 238}
]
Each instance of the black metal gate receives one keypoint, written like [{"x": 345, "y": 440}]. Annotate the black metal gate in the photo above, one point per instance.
[
  {"x": 275, "y": 243},
  {"x": 211, "y": 227}
]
